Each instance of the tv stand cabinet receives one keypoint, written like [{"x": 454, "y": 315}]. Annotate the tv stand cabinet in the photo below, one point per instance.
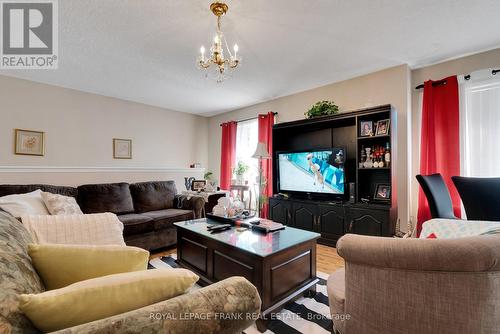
[{"x": 330, "y": 218}]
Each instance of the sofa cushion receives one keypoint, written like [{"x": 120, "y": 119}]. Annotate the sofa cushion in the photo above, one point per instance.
[
  {"x": 10, "y": 189},
  {"x": 24, "y": 204},
  {"x": 103, "y": 297},
  {"x": 152, "y": 196},
  {"x": 60, "y": 204},
  {"x": 17, "y": 275},
  {"x": 134, "y": 223},
  {"x": 110, "y": 197},
  {"x": 165, "y": 218},
  {"x": 91, "y": 229},
  {"x": 62, "y": 265}
]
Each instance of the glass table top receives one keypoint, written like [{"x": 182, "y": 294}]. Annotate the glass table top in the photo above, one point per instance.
[{"x": 251, "y": 241}]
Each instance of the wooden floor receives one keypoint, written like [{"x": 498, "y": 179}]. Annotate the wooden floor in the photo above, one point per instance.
[{"x": 327, "y": 259}]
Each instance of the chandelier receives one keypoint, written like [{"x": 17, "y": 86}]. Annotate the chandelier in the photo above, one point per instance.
[{"x": 216, "y": 60}]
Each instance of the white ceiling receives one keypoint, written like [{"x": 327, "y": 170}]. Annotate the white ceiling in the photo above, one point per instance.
[{"x": 145, "y": 50}]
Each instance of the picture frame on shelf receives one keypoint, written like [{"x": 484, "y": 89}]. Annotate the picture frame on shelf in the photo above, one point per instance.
[
  {"x": 366, "y": 129},
  {"x": 382, "y": 192},
  {"x": 122, "y": 148},
  {"x": 198, "y": 185},
  {"x": 383, "y": 127},
  {"x": 29, "y": 142}
]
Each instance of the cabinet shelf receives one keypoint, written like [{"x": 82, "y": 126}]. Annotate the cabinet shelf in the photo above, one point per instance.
[
  {"x": 374, "y": 137},
  {"x": 373, "y": 168}
]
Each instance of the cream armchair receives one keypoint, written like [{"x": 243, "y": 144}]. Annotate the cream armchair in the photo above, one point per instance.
[{"x": 393, "y": 285}]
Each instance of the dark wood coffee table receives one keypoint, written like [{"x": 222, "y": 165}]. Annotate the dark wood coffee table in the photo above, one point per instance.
[{"x": 281, "y": 264}]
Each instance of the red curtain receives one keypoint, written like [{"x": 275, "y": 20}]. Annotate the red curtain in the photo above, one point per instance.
[
  {"x": 440, "y": 148},
  {"x": 228, "y": 153},
  {"x": 266, "y": 123}
]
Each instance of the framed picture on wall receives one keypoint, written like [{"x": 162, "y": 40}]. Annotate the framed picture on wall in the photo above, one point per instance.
[
  {"x": 122, "y": 148},
  {"x": 29, "y": 142}
]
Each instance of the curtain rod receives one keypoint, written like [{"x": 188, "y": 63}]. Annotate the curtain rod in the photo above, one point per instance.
[
  {"x": 249, "y": 119},
  {"x": 441, "y": 82}
]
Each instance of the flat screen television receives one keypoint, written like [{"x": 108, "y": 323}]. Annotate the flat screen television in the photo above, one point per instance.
[{"x": 318, "y": 171}]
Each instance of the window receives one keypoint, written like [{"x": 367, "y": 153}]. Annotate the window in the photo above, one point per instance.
[
  {"x": 247, "y": 137},
  {"x": 480, "y": 130}
]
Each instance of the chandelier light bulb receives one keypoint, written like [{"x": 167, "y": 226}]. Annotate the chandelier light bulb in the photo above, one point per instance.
[
  {"x": 202, "y": 50},
  {"x": 236, "y": 48}
]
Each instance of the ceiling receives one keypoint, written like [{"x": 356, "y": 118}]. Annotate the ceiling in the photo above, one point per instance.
[{"x": 145, "y": 51}]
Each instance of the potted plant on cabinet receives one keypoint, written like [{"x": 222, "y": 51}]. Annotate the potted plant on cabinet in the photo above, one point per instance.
[{"x": 322, "y": 108}]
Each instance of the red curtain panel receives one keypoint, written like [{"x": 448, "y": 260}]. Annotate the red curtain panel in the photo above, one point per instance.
[
  {"x": 228, "y": 153},
  {"x": 266, "y": 123},
  {"x": 440, "y": 140}
]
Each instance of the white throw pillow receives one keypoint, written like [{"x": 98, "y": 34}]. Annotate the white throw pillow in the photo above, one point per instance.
[
  {"x": 24, "y": 204},
  {"x": 61, "y": 205},
  {"x": 93, "y": 229}
]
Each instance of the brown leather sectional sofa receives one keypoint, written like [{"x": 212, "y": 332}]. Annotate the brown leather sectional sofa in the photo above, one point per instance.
[{"x": 147, "y": 209}]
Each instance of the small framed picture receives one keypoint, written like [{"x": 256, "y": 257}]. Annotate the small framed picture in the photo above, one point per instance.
[
  {"x": 198, "y": 185},
  {"x": 382, "y": 192},
  {"x": 383, "y": 127},
  {"x": 28, "y": 142},
  {"x": 366, "y": 129},
  {"x": 122, "y": 148}
]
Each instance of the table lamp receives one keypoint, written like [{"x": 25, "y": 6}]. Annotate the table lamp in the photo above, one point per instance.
[{"x": 260, "y": 153}]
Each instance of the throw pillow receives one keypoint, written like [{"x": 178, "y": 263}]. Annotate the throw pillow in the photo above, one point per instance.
[
  {"x": 102, "y": 297},
  {"x": 62, "y": 265},
  {"x": 94, "y": 229},
  {"x": 24, "y": 204},
  {"x": 61, "y": 205}
]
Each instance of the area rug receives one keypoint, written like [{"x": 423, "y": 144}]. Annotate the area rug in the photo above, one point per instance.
[{"x": 304, "y": 315}]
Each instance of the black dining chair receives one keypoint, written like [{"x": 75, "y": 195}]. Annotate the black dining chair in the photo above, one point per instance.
[
  {"x": 438, "y": 196},
  {"x": 480, "y": 196}
]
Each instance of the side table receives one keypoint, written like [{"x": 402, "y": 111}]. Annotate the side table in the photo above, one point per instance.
[{"x": 240, "y": 192}]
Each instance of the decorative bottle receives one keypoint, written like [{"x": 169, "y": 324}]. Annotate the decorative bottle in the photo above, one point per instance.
[
  {"x": 362, "y": 157},
  {"x": 368, "y": 163},
  {"x": 387, "y": 156}
]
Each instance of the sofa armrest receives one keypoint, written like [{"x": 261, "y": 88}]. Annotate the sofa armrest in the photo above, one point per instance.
[
  {"x": 229, "y": 306},
  {"x": 195, "y": 203},
  {"x": 471, "y": 254}
]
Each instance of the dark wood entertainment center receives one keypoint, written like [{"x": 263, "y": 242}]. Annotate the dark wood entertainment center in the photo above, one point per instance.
[{"x": 334, "y": 218}]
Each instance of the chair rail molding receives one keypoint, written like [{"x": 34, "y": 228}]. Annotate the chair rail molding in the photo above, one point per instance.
[{"x": 97, "y": 169}]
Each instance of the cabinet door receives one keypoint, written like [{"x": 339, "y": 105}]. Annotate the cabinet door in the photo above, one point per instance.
[
  {"x": 279, "y": 211},
  {"x": 367, "y": 221},
  {"x": 331, "y": 221},
  {"x": 304, "y": 216}
]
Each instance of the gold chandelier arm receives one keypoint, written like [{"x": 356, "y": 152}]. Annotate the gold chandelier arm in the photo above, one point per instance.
[
  {"x": 233, "y": 63},
  {"x": 205, "y": 64}
]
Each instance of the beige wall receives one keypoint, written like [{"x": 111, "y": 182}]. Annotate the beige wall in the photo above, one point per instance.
[
  {"x": 390, "y": 86},
  {"x": 79, "y": 129},
  {"x": 464, "y": 65}
]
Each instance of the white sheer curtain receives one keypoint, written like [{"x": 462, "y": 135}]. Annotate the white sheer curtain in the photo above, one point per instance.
[
  {"x": 480, "y": 125},
  {"x": 247, "y": 137}
]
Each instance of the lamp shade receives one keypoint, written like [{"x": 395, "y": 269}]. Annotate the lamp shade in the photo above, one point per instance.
[{"x": 261, "y": 152}]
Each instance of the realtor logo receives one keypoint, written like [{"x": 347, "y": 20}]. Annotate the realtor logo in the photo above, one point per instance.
[{"x": 29, "y": 37}]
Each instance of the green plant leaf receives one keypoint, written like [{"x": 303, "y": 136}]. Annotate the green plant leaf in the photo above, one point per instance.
[{"x": 322, "y": 108}]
